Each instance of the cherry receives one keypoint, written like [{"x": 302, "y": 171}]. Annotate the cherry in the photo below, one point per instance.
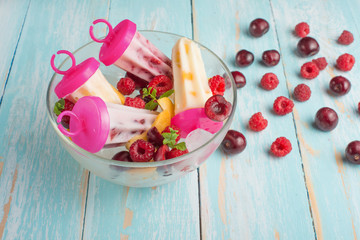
[
  {"x": 271, "y": 58},
  {"x": 308, "y": 46},
  {"x": 123, "y": 156},
  {"x": 258, "y": 27},
  {"x": 244, "y": 58},
  {"x": 326, "y": 119},
  {"x": 160, "y": 154},
  {"x": 239, "y": 78},
  {"x": 352, "y": 152},
  {"x": 154, "y": 137},
  {"x": 217, "y": 108},
  {"x": 234, "y": 142},
  {"x": 340, "y": 85}
]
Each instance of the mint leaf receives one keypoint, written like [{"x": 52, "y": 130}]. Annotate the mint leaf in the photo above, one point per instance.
[
  {"x": 167, "y": 94},
  {"x": 181, "y": 146},
  {"x": 59, "y": 106},
  {"x": 170, "y": 138},
  {"x": 151, "y": 105}
]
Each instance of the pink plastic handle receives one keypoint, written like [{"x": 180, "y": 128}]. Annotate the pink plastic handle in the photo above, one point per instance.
[
  {"x": 73, "y": 63},
  {"x": 74, "y": 117},
  {"x": 106, "y": 39}
]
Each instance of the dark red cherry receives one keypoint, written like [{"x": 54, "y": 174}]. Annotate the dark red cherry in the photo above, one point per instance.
[
  {"x": 271, "y": 58},
  {"x": 308, "y": 46},
  {"x": 326, "y": 119},
  {"x": 258, "y": 27},
  {"x": 234, "y": 142},
  {"x": 239, "y": 78},
  {"x": 244, "y": 58},
  {"x": 352, "y": 152},
  {"x": 340, "y": 85}
]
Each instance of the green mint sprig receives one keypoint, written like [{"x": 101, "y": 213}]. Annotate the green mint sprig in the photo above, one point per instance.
[
  {"x": 152, "y": 104},
  {"x": 170, "y": 140},
  {"x": 59, "y": 106}
]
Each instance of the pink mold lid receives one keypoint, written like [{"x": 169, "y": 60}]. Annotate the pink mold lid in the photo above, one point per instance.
[
  {"x": 116, "y": 41},
  {"x": 89, "y": 123},
  {"x": 75, "y": 76},
  {"x": 194, "y": 118}
]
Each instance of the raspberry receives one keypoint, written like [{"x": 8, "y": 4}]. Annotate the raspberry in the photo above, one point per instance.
[
  {"x": 141, "y": 151},
  {"x": 126, "y": 86},
  {"x": 283, "y": 106},
  {"x": 217, "y": 108},
  {"x": 309, "y": 70},
  {"x": 302, "y": 93},
  {"x": 162, "y": 84},
  {"x": 178, "y": 131},
  {"x": 346, "y": 38},
  {"x": 321, "y": 63},
  {"x": 68, "y": 106},
  {"x": 134, "y": 102},
  {"x": 139, "y": 82},
  {"x": 257, "y": 122},
  {"x": 345, "y": 62},
  {"x": 269, "y": 81},
  {"x": 217, "y": 85},
  {"x": 175, "y": 153},
  {"x": 281, "y": 147},
  {"x": 302, "y": 29}
]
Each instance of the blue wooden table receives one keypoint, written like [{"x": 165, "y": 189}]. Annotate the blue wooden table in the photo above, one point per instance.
[{"x": 312, "y": 193}]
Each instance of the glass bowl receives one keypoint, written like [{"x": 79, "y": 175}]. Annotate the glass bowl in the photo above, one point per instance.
[{"x": 142, "y": 174}]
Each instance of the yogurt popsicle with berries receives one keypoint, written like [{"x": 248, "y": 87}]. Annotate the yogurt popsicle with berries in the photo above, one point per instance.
[
  {"x": 191, "y": 88},
  {"x": 95, "y": 124},
  {"x": 84, "y": 79},
  {"x": 127, "y": 49}
]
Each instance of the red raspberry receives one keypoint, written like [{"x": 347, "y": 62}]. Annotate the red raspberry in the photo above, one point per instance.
[
  {"x": 281, "y": 147},
  {"x": 345, "y": 62},
  {"x": 178, "y": 131},
  {"x": 68, "y": 106},
  {"x": 141, "y": 151},
  {"x": 257, "y": 122},
  {"x": 321, "y": 63},
  {"x": 126, "y": 86},
  {"x": 309, "y": 70},
  {"x": 346, "y": 38},
  {"x": 269, "y": 81},
  {"x": 283, "y": 106},
  {"x": 302, "y": 29},
  {"x": 175, "y": 153},
  {"x": 134, "y": 102},
  {"x": 217, "y": 85},
  {"x": 162, "y": 84},
  {"x": 302, "y": 93}
]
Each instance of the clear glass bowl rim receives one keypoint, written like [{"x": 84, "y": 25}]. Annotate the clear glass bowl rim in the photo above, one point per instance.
[{"x": 94, "y": 157}]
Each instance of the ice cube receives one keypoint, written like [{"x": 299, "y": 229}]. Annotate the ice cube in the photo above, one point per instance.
[{"x": 196, "y": 138}]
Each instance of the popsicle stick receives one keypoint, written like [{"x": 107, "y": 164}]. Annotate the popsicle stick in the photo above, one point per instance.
[
  {"x": 332, "y": 182},
  {"x": 252, "y": 195},
  {"x": 166, "y": 212},
  {"x": 43, "y": 190},
  {"x": 12, "y": 15}
]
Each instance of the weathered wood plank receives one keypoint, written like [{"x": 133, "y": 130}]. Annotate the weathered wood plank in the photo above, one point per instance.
[
  {"x": 333, "y": 184},
  {"x": 43, "y": 191},
  {"x": 252, "y": 195},
  {"x": 12, "y": 17},
  {"x": 166, "y": 212}
]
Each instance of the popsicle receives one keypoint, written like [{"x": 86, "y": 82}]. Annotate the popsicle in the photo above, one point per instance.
[
  {"x": 84, "y": 79},
  {"x": 127, "y": 49},
  {"x": 95, "y": 124},
  {"x": 190, "y": 81},
  {"x": 191, "y": 89}
]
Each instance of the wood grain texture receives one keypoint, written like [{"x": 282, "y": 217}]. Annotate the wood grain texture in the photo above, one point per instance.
[
  {"x": 166, "y": 212},
  {"x": 333, "y": 183},
  {"x": 12, "y": 16},
  {"x": 251, "y": 195},
  {"x": 42, "y": 188}
]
